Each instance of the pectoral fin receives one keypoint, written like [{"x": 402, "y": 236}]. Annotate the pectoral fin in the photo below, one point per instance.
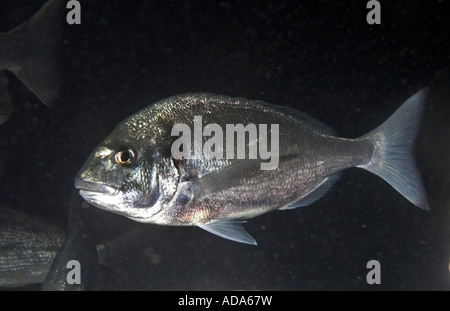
[
  {"x": 229, "y": 229},
  {"x": 233, "y": 175},
  {"x": 226, "y": 177}
]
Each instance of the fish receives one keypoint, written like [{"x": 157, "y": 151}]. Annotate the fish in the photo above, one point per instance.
[
  {"x": 6, "y": 107},
  {"x": 133, "y": 171},
  {"x": 30, "y": 51},
  {"x": 79, "y": 247},
  {"x": 28, "y": 247}
]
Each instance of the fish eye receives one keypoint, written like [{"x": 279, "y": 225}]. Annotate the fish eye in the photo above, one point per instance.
[{"x": 125, "y": 156}]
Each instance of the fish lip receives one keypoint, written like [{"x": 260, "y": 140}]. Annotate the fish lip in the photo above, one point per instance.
[{"x": 92, "y": 187}]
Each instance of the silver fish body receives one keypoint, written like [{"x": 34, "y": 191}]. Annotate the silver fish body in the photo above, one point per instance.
[
  {"x": 28, "y": 246},
  {"x": 134, "y": 173}
]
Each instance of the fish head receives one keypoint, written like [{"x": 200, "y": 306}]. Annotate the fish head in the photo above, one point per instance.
[{"x": 126, "y": 175}]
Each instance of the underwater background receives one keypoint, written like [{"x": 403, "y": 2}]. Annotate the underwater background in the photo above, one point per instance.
[{"x": 320, "y": 57}]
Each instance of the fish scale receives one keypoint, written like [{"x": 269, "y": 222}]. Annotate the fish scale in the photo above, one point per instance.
[{"x": 28, "y": 246}]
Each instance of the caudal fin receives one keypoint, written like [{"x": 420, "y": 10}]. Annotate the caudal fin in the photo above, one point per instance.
[
  {"x": 392, "y": 158},
  {"x": 31, "y": 51}
]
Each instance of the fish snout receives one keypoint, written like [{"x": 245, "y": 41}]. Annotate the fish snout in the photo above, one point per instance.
[{"x": 93, "y": 187}]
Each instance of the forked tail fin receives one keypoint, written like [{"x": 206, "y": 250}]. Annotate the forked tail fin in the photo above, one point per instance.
[
  {"x": 30, "y": 51},
  {"x": 392, "y": 158}
]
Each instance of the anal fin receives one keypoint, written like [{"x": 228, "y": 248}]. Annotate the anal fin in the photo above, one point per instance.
[{"x": 231, "y": 230}]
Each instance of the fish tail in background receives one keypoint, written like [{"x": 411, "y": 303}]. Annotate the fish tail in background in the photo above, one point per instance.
[
  {"x": 6, "y": 107},
  {"x": 392, "y": 158},
  {"x": 79, "y": 245},
  {"x": 30, "y": 51}
]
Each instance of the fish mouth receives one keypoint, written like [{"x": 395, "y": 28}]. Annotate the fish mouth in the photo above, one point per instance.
[
  {"x": 101, "y": 196},
  {"x": 91, "y": 188}
]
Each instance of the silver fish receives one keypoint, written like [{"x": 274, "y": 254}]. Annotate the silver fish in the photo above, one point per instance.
[
  {"x": 133, "y": 171},
  {"x": 31, "y": 49},
  {"x": 28, "y": 246}
]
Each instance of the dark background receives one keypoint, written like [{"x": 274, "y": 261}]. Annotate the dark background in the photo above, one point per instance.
[{"x": 320, "y": 57}]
